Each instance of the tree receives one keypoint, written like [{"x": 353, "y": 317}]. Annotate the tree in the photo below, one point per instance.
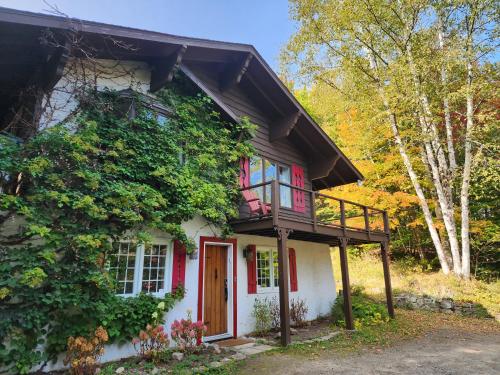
[{"x": 422, "y": 62}]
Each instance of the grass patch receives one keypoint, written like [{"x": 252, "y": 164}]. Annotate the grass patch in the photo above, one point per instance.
[
  {"x": 366, "y": 271},
  {"x": 407, "y": 325}
]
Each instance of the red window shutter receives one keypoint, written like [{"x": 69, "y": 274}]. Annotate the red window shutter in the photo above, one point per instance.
[
  {"x": 294, "y": 285},
  {"x": 179, "y": 265},
  {"x": 299, "y": 203},
  {"x": 252, "y": 270},
  {"x": 244, "y": 172}
]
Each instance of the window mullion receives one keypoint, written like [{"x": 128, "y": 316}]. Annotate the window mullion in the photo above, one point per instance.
[{"x": 139, "y": 264}]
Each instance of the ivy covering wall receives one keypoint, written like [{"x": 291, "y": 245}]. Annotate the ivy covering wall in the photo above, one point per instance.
[{"x": 90, "y": 181}]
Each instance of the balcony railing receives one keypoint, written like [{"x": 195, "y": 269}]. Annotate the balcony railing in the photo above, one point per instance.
[{"x": 320, "y": 209}]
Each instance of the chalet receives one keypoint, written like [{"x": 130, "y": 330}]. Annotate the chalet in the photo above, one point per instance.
[{"x": 282, "y": 239}]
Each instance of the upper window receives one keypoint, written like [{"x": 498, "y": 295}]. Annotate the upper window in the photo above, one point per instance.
[
  {"x": 267, "y": 269},
  {"x": 264, "y": 170},
  {"x": 139, "y": 268}
]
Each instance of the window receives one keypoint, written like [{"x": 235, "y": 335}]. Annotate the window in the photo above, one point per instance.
[
  {"x": 267, "y": 269},
  {"x": 123, "y": 263},
  {"x": 256, "y": 175},
  {"x": 139, "y": 268},
  {"x": 263, "y": 170},
  {"x": 285, "y": 192},
  {"x": 153, "y": 270}
]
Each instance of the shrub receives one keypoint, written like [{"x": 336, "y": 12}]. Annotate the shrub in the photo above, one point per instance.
[
  {"x": 262, "y": 314},
  {"x": 187, "y": 334},
  {"x": 365, "y": 310},
  {"x": 83, "y": 354},
  {"x": 298, "y": 312},
  {"x": 275, "y": 313},
  {"x": 151, "y": 342}
]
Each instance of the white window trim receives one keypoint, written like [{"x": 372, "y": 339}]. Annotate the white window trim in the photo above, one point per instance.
[
  {"x": 272, "y": 288},
  {"x": 139, "y": 265}
]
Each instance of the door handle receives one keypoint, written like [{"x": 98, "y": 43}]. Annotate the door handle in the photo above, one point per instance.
[
  {"x": 225, "y": 289},
  {"x": 216, "y": 274}
]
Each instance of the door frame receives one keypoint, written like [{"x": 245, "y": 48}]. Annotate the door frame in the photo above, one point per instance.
[{"x": 232, "y": 304}]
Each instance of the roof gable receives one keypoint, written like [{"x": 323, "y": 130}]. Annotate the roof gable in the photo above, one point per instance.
[{"x": 240, "y": 64}]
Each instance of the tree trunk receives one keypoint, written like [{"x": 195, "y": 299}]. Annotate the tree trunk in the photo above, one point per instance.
[
  {"x": 420, "y": 193},
  {"x": 411, "y": 173},
  {"x": 447, "y": 211},
  {"x": 446, "y": 104},
  {"x": 438, "y": 165},
  {"x": 464, "y": 194}
]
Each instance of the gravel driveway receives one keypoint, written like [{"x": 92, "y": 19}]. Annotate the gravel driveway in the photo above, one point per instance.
[{"x": 443, "y": 352}]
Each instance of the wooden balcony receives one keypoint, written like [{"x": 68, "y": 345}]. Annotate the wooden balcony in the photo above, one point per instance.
[{"x": 325, "y": 219}]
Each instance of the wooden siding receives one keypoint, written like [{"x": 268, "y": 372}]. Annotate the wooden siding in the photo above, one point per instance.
[{"x": 241, "y": 104}]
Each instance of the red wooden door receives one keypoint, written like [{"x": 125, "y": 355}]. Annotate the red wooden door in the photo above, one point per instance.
[{"x": 215, "y": 290}]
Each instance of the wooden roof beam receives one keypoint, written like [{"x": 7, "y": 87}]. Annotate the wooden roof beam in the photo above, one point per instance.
[
  {"x": 233, "y": 75},
  {"x": 54, "y": 68},
  {"x": 283, "y": 128},
  {"x": 323, "y": 168},
  {"x": 264, "y": 94},
  {"x": 198, "y": 82},
  {"x": 164, "y": 69}
]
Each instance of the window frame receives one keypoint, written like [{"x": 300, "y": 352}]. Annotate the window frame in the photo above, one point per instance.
[
  {"x": 267, "y": 188},
  {"x": 273, "y": 274},
  {"x": 139, "y": 268}
]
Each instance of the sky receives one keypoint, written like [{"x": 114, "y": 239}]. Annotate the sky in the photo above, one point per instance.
[{"x": 263, "y": 23}]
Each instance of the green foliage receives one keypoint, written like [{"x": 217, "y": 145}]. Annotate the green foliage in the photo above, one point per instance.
[
  {"x": 262, "y": 315},
  {"x": 93, "y": 180},
  {"x": 366, "y": 311}
]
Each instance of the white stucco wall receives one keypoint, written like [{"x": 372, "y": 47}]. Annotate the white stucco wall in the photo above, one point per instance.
[
  {"x": 103, "y": 74},
  {"x": 316, "y": 284}
]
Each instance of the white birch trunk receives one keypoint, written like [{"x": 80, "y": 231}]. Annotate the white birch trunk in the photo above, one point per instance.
[
  {"x": 464, "y": 194},
  {"x": 438, "y": 166},
  {"x": 411, "y": 173},
  {"x": 420, "y": 193},
  {"x": 446, "y": 105}
]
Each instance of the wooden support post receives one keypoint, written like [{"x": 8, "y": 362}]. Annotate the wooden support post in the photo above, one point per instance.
[
  {"x": 346, "y": 287},
  {"x": 342, "y": 216},
  {"x": 283, "y": 285},
  {"x": 313, "y": 211},
  {"x": 275, "y": 201},
  {"x": 384, "y": 246},
  {"x": 386, "y": 223},
  {"x": 367, "y": 221}
]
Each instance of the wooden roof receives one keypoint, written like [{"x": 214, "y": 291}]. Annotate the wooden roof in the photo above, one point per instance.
[{"x": 24, "y": 57}]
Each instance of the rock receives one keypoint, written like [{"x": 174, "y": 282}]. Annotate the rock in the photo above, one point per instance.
[
  {"x": 293, "y": 331},
  {"x": 447, "y": 303},
  {"x": 216, "y": 348},
  {"x": 155, "y": 371},
  {"x": 120, "y": 370},
  {"x": 278, "y": 335},
  {"x": 178, "y": 356},
  {"x": 238, "y": 356},
  {"x": 225, "y": 360},
  {"x": 97, "y": 370},
  {"x": 199, "y": 370},
  {"x": 226, "y": 349},
  {"x": 214, "y": 364}
]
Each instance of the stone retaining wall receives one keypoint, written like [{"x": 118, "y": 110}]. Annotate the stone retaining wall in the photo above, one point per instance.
[{"x": 444, "y": 305}]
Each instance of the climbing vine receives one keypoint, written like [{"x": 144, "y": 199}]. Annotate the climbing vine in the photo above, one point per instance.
[{"x": 100, "y": 176}]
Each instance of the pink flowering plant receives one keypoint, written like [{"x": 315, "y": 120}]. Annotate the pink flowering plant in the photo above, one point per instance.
[
  {"x": 187, "y": 334},
  {"x": 153, "y": 340}
]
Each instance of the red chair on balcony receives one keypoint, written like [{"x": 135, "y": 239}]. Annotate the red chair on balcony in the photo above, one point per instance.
[{"x": 257, "y": 207}]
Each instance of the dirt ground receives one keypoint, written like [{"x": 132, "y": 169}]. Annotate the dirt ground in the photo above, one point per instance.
[{"x": 442, "y": 352}]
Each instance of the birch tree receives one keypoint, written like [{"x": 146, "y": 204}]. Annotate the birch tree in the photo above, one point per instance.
[{"x": 407, "y": 52}]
